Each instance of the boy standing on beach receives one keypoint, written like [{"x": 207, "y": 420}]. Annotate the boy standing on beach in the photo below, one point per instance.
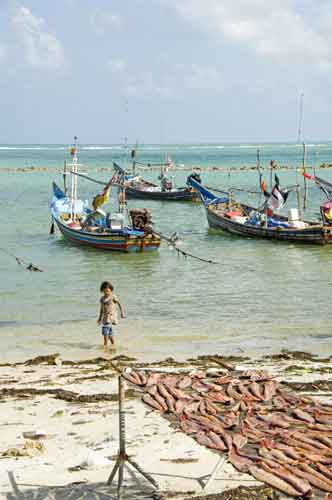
[{"x": 107, "y": 314}]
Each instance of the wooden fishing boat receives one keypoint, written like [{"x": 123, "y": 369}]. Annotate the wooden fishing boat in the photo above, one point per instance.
[
  {"x": 95, "y": 228},
  {"x": 243, "y": 220},
  {"x": 139, "y": 188}
]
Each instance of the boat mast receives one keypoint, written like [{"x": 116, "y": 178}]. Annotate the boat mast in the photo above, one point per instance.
[
  {"x": 74, "y": 177},
  {"x": 305, "y": 196},
  {"x": 259, "y": 173},
  {"x": 299, "y": 131}
]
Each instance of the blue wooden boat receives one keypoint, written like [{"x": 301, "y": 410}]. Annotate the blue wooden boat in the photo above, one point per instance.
[
  {"x": 85, "y": 226},
  {"x": 243, "y": 220}
]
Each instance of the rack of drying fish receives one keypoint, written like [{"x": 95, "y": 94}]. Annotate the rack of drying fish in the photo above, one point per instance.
[{"x": 280, "y": 438}]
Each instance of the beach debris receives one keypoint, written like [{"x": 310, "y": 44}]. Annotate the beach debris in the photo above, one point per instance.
[
  {"x": 58, "y": 413},
  {"x": 49, "y": 359},
  {"x": 281, "y": 438},
  {"x": 94, "y": 460},
  {"x": 37, "y": 434},
  {"x": 29, "y": 449}
]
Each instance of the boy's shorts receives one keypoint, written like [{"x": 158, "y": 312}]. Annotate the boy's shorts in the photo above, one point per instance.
[{"x": 106, "y": 330}]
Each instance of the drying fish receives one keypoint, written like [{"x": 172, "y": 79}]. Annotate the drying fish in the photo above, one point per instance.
[
  {"x": 320, "y": 427},
  {"x": 320, "y": 437},
  {"x": 132, "y": 377},
  {"x": 229, "y": 420},
  {"x": 242, "y": 464},
  {"x": 170, "y": 401},
  {"x": 303, "y": 415},
  {"x": 218, "y": 397},
  {"x": 190, "y": 406},
  {"x": 312, "y": 442},
  {"x": 180, "y": 405},
  {"x": 153, "y": 391},
  {"x": 273, "y": 480},
  {"x": 281, "y": 438},
  {"x": 324, "y": 470},
  {"x": 170, "y": 380},
  {"x": 188, "y": 426},
  {"x": 275, "y": 454},
  {"x": 211, "y": 408},
  {"x": 274, "y": 420},
  {"x": 152, "y": 402},
  {"x": 233, "y": 393},
  {"x": 226, "y": 379},
  {"x": 197, "y": 374},
  {"x": 153, "y": 378},
  {"x": 200, "y": 387},
  {"x": 184, "y": 382},
  {"x": 239, "y": 441},
  {"x": 300, "y": 485},
  {"x": 319, "y": 482},
  {"x": 245, "y": 393},
  {"x": 270, "y": 390},
  {"x": 204, "y": 440},
  {"x": 323, "y": 418},
  {"x": 219, "y": 443},
  {"x": 256, "y": 390},
  {"x": 176, "y": 393}
]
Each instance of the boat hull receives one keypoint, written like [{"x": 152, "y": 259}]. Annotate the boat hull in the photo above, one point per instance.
[
  {"x": 179, "y": 195},
  {"x": 315, "y": 233},
  {"x": 115, "y": 241}
]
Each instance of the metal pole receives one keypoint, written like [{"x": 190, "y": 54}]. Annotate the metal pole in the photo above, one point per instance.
[
  {"x": 298, "y": 197},
  {"x": 259, "y": 173},
  {"x": 122, "y": 455},
  {"x": 65, "y": 177}
]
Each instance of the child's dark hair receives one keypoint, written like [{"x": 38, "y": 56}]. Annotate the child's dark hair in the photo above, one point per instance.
[{"x": 106, "y": 284}]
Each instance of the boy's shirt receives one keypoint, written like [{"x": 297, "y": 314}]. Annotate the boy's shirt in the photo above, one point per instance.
[{"x": 108, "y": 310}]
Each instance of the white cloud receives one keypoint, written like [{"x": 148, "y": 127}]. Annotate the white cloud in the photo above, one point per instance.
[
  {"x": 167, "y": 79},
  {"x": 42, "y": 49},
  {"x": 273, "y": 30},
  {"x": 103, "y": 21}
]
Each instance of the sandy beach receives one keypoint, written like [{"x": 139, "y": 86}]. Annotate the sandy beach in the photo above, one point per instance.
[{"x": 59, "y": 428}]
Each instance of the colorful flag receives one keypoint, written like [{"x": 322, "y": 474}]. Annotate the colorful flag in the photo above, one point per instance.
[
  {"x": 277, "y": 198},
  {"x": 101, "y": 198}
]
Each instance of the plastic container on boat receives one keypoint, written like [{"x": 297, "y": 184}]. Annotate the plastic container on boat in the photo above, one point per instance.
[
  {"x": 240, "y": 219},
  {"x": 293, "y": 215}
]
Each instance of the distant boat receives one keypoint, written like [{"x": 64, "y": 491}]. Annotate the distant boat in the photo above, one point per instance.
[
  {"x": 139, "y": 188},
  {"x": 95, "y": 228},
  {"x": 243, "y": 220}
]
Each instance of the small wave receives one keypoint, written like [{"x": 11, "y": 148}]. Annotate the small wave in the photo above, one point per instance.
[
  {"x": 99, "y": 148},
  {"x": 31, "y": 148}
]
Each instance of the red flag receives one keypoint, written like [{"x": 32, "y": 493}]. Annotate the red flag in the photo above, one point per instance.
[{"x": 308, "y": 176}]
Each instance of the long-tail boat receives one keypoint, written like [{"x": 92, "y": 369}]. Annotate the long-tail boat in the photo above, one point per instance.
[
  {"x": 243, "y": 220},
  {"x": 136, "y": 187},
  {"x": 95, "y": 228}
]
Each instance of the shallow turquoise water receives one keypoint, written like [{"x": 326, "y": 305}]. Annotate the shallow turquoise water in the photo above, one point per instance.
[{"x": 261, "y": 297}]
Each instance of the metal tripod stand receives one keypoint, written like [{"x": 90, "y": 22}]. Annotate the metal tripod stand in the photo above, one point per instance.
[{"x": 123, "y": 458}]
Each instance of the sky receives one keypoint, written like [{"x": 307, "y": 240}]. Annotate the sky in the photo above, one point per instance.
[{"x": 165, "y": 71}]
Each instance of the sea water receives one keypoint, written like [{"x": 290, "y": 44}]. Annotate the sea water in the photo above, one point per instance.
[{"x": 259, "y": 297}]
